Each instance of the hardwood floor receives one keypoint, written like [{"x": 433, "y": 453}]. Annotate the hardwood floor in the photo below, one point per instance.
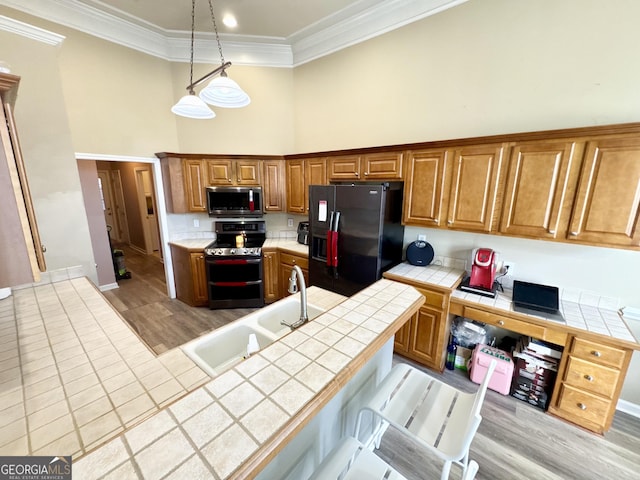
[
  {"x": 518, "y": 441},
  {"x": 514, "y": 441},
  {"x": 162, "y": 323}
]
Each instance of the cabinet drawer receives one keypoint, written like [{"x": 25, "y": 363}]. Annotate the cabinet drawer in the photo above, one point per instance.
[
  {"x": 523, "y": 328},
  {"x": 591, "y": 376},
  {"x": 433, "y": 299},
  {"x": 583, "y": 404},
  {"x": 597, "y": 352},
  {"x": 289, "y": 259}
]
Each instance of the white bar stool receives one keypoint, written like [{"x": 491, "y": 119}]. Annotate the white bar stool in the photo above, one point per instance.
[{"x": 437, "y": 416}]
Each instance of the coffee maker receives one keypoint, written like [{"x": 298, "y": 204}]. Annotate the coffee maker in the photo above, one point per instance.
[{"x": 483, "y": 273}]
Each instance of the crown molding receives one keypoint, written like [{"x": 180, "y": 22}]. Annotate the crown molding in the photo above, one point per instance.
[
  {"x": 344, "y": 29},
  {"x": 34, "y": 33}
]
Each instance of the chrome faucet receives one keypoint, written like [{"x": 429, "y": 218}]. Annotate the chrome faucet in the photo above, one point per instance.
[{"x": 295, "y": 279}]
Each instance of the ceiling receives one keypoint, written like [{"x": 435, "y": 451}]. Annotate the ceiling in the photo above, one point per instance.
[{"x": 282, "y": 33}]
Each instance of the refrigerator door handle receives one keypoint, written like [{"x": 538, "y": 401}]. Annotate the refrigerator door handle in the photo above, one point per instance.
[
  {"x": 330, "y": 242},
  {"x": 334, "y": 241}
]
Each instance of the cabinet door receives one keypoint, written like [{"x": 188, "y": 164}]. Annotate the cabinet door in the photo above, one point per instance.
[
  {"x": 273, "y": 188},
  {"x": 194, "y": 178},
  {"x": 402, "y": 337},
  {"x": 199, "y": 278},
  {"x": 423, "y": 343},
  {"x": 295, "y": 187},
  {"x": 382, "y": 166},
  {"x": 474, "y": 187},
  {"x": 219, "y": 172},
  {"x": 536, "y": 188},
  {"x": 271, "y": 273},
  {"x": 247, "y": 172},
  {"x": 424, "y": 187},
  {"x": 606, "y": 209},
  {"x": 345, "y": 168},
  {"x": 315, "y": 173}
]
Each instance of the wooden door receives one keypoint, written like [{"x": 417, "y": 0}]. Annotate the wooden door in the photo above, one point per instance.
[
  {"x": 295, "y": 187},
  {"x": 108, "y": 209},
  {"x": 345, "y": 168},
  {"x": 194, "y": 180},
  {"x": 248, "y": 172},
  {"x": 424, "y": 187},
  {"x": 423, "y": 342},
  {"x": 386, "y": 166},
  {"x": 537, "y": 188},
  {"x": 474, "y": 187},
  {"x": 219, "y": 172},
  {"x": 273, "y": 188},
  {"x": 199, "y": 279},
  {"x": 607, "y": 206},
  {"x": 271, "y": 273},
  {"x": 402, "y": 338}
]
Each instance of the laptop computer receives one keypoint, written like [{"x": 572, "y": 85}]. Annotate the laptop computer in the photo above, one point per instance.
[{"x": 536, "y": 299}]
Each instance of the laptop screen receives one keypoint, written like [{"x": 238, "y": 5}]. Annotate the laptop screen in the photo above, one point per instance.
[{"x": 533, "y": 295}]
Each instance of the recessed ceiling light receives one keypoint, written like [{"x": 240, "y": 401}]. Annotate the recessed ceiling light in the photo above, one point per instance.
[{"x": 230, "y": 21}]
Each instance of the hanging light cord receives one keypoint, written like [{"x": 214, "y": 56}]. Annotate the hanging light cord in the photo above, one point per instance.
[
  {"x": 193, "y": 27},
  {"x": 215, "y": 29}
]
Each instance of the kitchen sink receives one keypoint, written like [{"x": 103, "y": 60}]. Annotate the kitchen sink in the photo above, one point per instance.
[
  {"x": 287, "y": 310},
  {"x": 221, "y": 349}
]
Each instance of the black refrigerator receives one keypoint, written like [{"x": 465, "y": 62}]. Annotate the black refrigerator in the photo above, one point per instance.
[{"x": 355, "y": 234}]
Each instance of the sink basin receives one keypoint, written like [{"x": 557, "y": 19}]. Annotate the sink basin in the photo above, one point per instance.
[
  {"x": 287, "y": 310},
  {"x": 225, "y": 347},
  {"x": 221, "y": 349}
]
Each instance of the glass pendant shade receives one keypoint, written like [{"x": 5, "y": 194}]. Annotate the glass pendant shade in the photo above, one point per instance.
[
  {"x": 224, "y": 92},
  {"x": 191, "y": 106}
]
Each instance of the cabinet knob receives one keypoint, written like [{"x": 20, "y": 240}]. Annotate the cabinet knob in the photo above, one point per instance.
[
  {"x": 357, "y": 174},
  {"x": 596, "y": 353},
  {"x": 589, "y": 378},
  {"x": 552, "y": 232},
  {"x": 582, "y": 406},
  {"x": 574, "y": 234},
  {"x": 294, "y": 262},
  {"x": 44, "y": 249},
  {"x": 229, "y": 180},
  {"x": 501, "y": 322},
  {"x": 449, "y": 222},
  {"x": 366, "y": 173}
]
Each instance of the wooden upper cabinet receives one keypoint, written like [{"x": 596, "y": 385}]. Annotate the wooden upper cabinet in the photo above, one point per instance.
[
  {"x": 386, "y": 166},
  {"x": 233, "y": 172},
  {"x": 372, "y": 166},
  {"x": 607, "y": 204},
  {"x": 345, "y": 168},
  {"x": 315, "y": 173},
  {"x": 296, "y": 187},
  {"x": 474, "y": 187},
  {"x": 537, "y": 188},
  {"x": 273, "y": 188},
  {"x": 424, "y": 187},
  {"x": 194, "y": 181}
]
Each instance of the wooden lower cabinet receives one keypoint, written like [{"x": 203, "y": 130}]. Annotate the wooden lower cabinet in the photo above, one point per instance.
[
  {"x": 424, "y": 337},
  {"x": 589, "y": 381},
  {"x": 190, "y": 276},
  {"x": 270, "y": 273},
  {"x": 287, "y": 262}
]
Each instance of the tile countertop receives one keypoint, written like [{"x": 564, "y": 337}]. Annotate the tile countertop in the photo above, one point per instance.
[
  {"x": 586, "y": 312},
  {"x": 286, "y": 244},
  {"x": 228, "y": 428}
]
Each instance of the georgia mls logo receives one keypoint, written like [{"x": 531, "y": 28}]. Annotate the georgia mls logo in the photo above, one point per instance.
[{"x": 35, "y": 468}]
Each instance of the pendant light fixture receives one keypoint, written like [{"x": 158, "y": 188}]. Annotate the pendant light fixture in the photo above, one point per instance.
[
  {"x": 190, "y": 105},
  {"x": 221, "y": 91}
]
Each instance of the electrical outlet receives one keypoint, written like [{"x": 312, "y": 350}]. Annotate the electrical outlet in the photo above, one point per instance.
[
  {"x": 290, "y": 222},
  {"x": 508, "y": 268},
  {"x": 196, "y": 223},
  {"x": 422, "y": 238}
]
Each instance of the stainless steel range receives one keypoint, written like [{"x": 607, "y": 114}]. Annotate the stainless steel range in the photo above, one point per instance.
[{"x": 234, "y": 264}]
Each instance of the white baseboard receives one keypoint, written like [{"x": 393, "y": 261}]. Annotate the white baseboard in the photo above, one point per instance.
[
  {"x": 628, "y": 407},
  {"x": 108, "y": 286}
]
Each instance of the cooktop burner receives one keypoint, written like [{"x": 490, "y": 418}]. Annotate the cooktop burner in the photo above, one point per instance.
[{"x": 237, "y": 239}]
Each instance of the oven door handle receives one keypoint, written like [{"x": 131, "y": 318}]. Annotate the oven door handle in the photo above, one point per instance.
[
  {"x": 235, "y": 261},
  {"x": 236, "y": 284}
]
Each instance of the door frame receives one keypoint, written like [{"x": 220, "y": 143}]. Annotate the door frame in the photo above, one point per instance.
[
  {"x": 161, "y": 207},
  {"x": 149, "y": 226}
]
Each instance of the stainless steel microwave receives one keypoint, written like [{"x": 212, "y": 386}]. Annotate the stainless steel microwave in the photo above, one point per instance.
[{"x": 234, "y": 201}]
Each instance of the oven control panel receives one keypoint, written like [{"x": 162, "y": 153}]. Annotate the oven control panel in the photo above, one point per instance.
[{"x": 221, "y": 252}]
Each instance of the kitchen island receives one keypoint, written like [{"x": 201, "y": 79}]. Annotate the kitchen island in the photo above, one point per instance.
[{"x": 239, "y": 422}]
